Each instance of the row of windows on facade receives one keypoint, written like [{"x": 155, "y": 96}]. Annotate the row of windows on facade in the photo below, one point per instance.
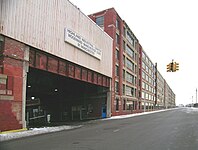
[
  {"x": 130, "y": 52},
  {"x": 160, "y": 78},
  {"x": 148, "y": 70},
  {"x": 160, "y": 82},
  {"x": 147, "y": 87},
  {"x": 129, "y": 38},
  {"x": 148, "y": 79},
  {"x": 148, "y": 96},
  {"x": 147, "y": 106},
  {"x": 160, "y": 88},
  {"x": 131, "y": 105},
  {"x": 146, "y": 59},
  {"x": 160, "y": 98},
  {"x": 127, "y": 34},
  {"x": 126, "y": 76},
  {"x": 126, "y": 90},
  {"x": 129, "y": 64}
]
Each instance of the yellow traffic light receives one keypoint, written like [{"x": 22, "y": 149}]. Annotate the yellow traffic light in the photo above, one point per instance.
[
  {"x": 175, "y": 67},
  {"x": 169, "y": 67}
]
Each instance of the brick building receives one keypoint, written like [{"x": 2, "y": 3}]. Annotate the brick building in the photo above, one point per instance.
[
  {"x": 125, "y": 79},
  {"x": 148, "y": 72},
  {"x": 137, "y": 85}
]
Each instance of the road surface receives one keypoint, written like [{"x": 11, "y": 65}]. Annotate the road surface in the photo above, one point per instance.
[{"x": 170, "y": 130}]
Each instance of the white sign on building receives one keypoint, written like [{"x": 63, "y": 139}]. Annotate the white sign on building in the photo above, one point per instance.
[{"x": 81, "y": 43}]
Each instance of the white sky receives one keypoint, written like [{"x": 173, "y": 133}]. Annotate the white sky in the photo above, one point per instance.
[{"x": 166, "y": 29}]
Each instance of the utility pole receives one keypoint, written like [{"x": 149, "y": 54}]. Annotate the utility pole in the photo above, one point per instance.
[{"x": 196, "y": 95}]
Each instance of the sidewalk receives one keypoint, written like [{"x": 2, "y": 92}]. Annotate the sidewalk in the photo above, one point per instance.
[{"x": 36, "y": 131}]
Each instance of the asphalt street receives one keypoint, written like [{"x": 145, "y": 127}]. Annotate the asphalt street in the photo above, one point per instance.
[{"x": 171, "y": 130}]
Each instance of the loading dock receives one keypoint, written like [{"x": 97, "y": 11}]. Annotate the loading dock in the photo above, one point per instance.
[{"x": 65, "y": 95}]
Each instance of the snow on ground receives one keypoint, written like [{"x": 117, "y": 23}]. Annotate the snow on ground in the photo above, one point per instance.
[
  {"x": 191, "y": 110},
  {"x": 133, "y": 115},
  {"x": 34, "y": 131}
]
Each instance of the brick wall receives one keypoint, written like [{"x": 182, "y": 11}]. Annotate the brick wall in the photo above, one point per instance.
[{"x": 11, "y": 85}]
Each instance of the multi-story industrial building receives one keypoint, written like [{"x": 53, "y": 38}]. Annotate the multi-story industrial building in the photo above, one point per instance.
[
  {"x": 125, "y": 62},
  {"x": 169, "y": 96},
  {"x": 148, "y": 82},
  {"x": 160, "y": 85}
]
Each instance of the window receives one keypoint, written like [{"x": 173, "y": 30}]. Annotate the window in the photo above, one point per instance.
[
  {"x": 117, "y": 104},
  {"x": 132, "y": 91},
  {"x": 123, "y": 89},
  {"x": 124, "y": 31},
  {"x": 143, "y": 85},
  {"x": 100, "y": 21},
  {"x": 117, "y": 39},
  {"x": 146, "y": 96},
  {"x": 129, "y": 78},
  {"x": 124, "y": 46},
  {"x": 128, "y": 91},
  {"x": 143, "y": 95},
  {"x": 117, "y": 71},
  {"x": 146, "y": 68},
  {"x": 116, "y": 87},
  {"x": 129, "y": 51},
  {"x": 130, "y": 38},
  {"x": 129, "y": 106},
  {"x": 1, "y": 44},
  {"x": 129, "y": 64},
  {"x": 143, "y": 75},
  {"x": 143, "y": 65},
  {"x": 123, "y": 74},
  {"x": 143, "y": 56},
  {"x": 117, "y": 23},
  {"x": 124, "y": 104},
  {"x": 117, "y": 54},
  {"x": 123, "y": 60}
]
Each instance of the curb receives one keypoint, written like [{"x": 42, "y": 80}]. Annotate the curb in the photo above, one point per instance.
[
  {"x": 13, "y": 131},
  {"x": 10, "y": 135}
]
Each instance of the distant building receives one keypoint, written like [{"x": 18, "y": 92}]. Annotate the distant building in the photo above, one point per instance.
[
  {"x": 160, "y": 91},
  {"x": 148, "y": 83},
  {"x": 169, "y": 96}
]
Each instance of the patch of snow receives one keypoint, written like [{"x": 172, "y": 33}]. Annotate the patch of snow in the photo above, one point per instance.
[
  {"x": 34, "y": 131},
  {"x": 137, "y": 114},
  {"x": 191, "y": 109}
]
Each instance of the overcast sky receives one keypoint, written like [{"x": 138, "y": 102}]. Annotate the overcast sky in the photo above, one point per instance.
[{"x": 166, "y": 29}]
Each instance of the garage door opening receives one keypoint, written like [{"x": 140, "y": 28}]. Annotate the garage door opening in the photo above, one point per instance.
[{"x": 56, "y": 99}]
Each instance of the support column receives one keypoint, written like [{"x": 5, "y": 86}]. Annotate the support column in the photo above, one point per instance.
[
  {"x": 14, "y": 63},
  {"x": 108, "y": 104},
  {"x": 25, "y": 70}
]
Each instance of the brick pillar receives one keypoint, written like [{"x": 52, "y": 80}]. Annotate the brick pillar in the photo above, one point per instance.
[{"x": 15, "y": 56}]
